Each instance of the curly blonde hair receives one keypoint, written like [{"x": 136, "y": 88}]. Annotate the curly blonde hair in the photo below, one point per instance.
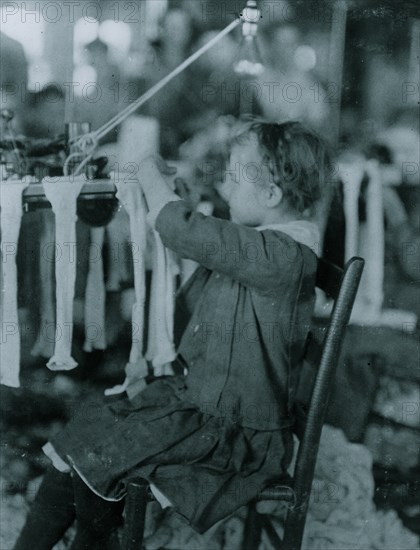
[{"x": 298, "y": 159}]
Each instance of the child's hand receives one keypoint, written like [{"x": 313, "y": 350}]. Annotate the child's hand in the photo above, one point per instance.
[
  {"x": 224, "y": 189},
  {"x": 164, "y": 168},
  {"x": 152, "y": 166},
  {"x": 181, "y": 189},
  {"x": 154, "y": 176}
]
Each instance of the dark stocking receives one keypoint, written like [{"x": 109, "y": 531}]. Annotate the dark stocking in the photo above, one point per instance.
[
  {"x": 51, "y": 513},
  {"x": 97, "y": 519}
]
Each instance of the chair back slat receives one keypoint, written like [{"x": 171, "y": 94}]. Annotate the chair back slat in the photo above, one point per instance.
[{"x": 341, "y": 285}]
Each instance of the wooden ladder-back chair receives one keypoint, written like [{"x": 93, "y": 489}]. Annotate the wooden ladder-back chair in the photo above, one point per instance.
[{"x": 341, "y": 285}]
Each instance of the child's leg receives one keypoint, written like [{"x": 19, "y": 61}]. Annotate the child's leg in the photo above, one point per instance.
[
  {"x": 97, "y": 519},
  {"x": 60, "y": 498},
  {"x": 51, "y": 513}
]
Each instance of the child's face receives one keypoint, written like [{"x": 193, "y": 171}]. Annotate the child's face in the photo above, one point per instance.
[{"x": 243, "y": 186}]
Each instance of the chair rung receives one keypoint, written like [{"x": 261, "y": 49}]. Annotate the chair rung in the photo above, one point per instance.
[{"x": 280, "y": 492}]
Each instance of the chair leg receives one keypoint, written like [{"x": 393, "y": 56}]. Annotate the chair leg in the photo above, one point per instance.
[
  {"x": 252, "y": 530},
  {"x": 294, "y": 528},
  {"x": 135, "y": 515}
]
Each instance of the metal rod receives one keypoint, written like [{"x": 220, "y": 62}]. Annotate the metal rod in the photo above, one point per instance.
[
  {"x": 117, "y": 119},
  {"x": 110, "y": 125}
]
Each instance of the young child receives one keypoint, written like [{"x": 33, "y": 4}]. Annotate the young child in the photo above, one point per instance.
[{"x": 209, "y": 440}]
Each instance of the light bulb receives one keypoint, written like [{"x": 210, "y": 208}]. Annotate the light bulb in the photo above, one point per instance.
[{"x": 249, "y": 60}]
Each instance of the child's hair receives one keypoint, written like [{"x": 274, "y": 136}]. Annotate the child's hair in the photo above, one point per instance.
[{"x": 299, "y": 160}]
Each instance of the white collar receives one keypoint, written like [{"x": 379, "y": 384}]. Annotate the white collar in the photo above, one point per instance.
[{"x": 301, "y": 231}]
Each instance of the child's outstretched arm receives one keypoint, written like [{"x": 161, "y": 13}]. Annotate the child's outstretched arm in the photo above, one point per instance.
[{"x": 254, "y": 258}]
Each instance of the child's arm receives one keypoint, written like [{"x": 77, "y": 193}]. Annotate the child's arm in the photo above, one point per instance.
[
  {"x": 241, "y": 252},
  {"x": 152, "y": 172}
]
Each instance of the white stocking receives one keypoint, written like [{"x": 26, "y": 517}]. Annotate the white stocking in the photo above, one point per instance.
[
  {"x": 351, "y": 172},
  {"x": 118, "y": 237},
  {"x": 62, "y": 194},
  {"x": 352, "y": 175},
  {"x": 11, "y": 215},
  {"x": 44, "y": 345},
  {"x": 373, "y": 243},
  {"x": 161, "y": 349},
  {"x": 130, "y": 195},
  {"x": 95, "y": 294}
]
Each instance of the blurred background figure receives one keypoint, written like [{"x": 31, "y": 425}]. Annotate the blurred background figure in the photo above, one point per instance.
[
  {"x": 401, "y": 194},
  {"x": 215, "y": 86},
  {"x": 289, "y": 90},
  {"x": 171, "y": 106},
  {"x": 45, "y": 113},
  {"x": 101, "y": 98},
  {"x": 402, "y": 137},
  {"x": 13, "y": 77}
]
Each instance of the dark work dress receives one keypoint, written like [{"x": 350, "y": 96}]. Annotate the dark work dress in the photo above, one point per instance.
[
  {"x": 206, "y": 466},
  {"x": 210, "y": 441}
]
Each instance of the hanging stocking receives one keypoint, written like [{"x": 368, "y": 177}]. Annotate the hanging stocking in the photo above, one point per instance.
[
  {"x": 351, "y": 172},
  {"x": 373, "y": 244},
  {"x": 130, "y": 195},
  {"x": 156, "y": 286},
  {"x": 62, "y": 194},
  {"x": 44, "y": 345},
  {"x": 161, "y": 349},
  {"x": 11, "y": 214},
  {"x": 352, "y": 175},
  {"x": 95, "y": 294},
  {"x": 118, "y": 237}
]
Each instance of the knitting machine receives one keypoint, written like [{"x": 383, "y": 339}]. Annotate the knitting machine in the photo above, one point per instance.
[{"x": 35, "y": 159}]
